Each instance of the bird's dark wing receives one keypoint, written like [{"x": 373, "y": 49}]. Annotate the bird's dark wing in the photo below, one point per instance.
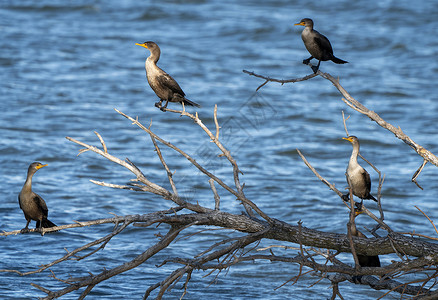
[
  {"x": 167, "y": 81},
  {"x": 323, "y": 42},
  {"x": 367, "y": 179},
  {"x": 41, "y": 204}
]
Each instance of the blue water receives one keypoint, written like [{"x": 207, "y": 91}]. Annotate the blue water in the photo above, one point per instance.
[{"x": 65, "y": 65}]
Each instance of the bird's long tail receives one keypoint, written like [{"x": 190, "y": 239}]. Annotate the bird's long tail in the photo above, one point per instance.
[
  {"x": 338, "y": 60},
  {"x": 46, "y": 223},
  {"x": 371, "y": 197},
  {"x": 189, "y": 102}
]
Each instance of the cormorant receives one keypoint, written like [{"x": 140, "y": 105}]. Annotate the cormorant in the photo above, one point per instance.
[
  {"x": 166, "y": 88},
  {"x": 359, "y": 179},
  {"x": 365, "y": 261},
  {"x": 34, "y": 207},
  {"x": 317, "y": 45}
]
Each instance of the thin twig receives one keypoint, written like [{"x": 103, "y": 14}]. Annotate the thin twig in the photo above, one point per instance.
[
  {"x": 216, "y": 122},
  {"x": 431, "y": 222},
  {"x": 282, "y": 81},
  {"x": 331, "y": 186},
  {"x": 216, "y": 195},
  {"x": 417, "y": 173},
  {"x": 102, "y": 142},
  {"x": 345, "y": 123},
  {"x": 140, "y": 176},
  {"x": 163, "y": 162}
]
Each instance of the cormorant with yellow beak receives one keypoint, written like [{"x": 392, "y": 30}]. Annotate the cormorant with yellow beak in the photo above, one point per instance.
[
  {"x": 34, "y": 207},
  {"x": 164, "y": 86},
  {"x": 317, "y": 44}
]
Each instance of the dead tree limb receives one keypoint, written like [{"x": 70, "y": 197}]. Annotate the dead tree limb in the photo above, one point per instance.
[
  {"x": 317, "y": 250},
  {"x": 356, "y": 105}
]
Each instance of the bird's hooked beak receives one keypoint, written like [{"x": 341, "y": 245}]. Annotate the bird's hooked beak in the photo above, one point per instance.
[
  {"x": 348, "y": 139},
  {"x": 142, "y": 45},
  {"x": 40, "y": 166},
  {"x": 301, "y": 23}
]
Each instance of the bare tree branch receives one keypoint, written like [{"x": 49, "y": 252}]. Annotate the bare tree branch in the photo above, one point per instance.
[
  {"x": 239, "y": 193},
  {"x": 95, "y": 279},
  {"x": 356, "y": 105},
  {"x": 282, "y": 81},
  {"x": 314, "y": 251}
]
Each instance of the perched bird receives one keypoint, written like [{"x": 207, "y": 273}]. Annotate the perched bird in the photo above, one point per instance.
[
  {"x": 34, "y": 207},
  {"x": 166, "y": 88},
  {"x": 358, "y": 177},
  {"x": 317, "y": 45},
  {"x": 364, "y": 261}
]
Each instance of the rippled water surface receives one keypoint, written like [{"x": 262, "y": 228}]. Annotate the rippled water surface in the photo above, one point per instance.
[{"x": 65, "y": 66}]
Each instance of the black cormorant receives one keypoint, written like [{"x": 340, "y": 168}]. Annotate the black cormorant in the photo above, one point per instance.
[
  {"x": 317, "y": 45},
  {"x": 364, "y": 260}
]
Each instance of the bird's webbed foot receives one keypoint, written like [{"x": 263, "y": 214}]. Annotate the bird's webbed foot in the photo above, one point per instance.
[
  {"x": 24, "y": 230},
  {"x": 346, "y": 197},
  {"x": 39, "y": 227},
  {"x": 315, "y": 69},
  {"x": 307, "y": 61},
  {"x": 357, "y": 279},
  {"x": 158, "y": 104},
  {"x": 358, "y": 207},
  {"x": 163, "y": 108}
]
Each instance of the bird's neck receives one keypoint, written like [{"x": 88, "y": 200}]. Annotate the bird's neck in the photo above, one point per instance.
[
  {"x": 353, "y": 229},
  {"x": 307, "y": 33},
  {"x": 27, "y": 187},
  {"x": 151, "y": 67},
  {"x": 153, "y": 58},
  {"x": 354, "y": 154}
]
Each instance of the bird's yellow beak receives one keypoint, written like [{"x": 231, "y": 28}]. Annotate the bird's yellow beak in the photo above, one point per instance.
[
  {"x": 142, "y": 45},
  {"x": 348, "y": 139},
  {"x": 301, "y": 23},
  {"x": 41, "y": 166}
]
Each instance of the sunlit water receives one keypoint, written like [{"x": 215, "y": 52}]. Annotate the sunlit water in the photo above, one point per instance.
[{"x": 66, "y": 65}]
